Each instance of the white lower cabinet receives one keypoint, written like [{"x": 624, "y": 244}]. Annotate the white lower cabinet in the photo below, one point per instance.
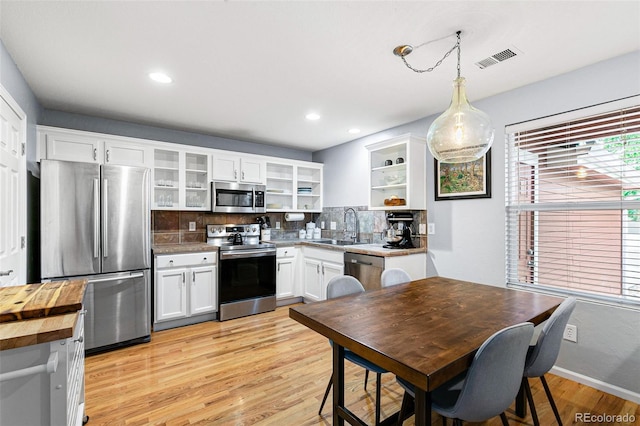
[
  {"x": 286, "y": 274},
  {"x": 319, "y": 266},
  {"x": 185, "y": 289}
]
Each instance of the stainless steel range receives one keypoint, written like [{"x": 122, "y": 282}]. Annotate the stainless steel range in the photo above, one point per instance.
[{"x": 246, "y": 271}]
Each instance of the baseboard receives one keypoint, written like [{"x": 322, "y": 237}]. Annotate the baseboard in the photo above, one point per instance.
[{"x": 597, "y": 384}]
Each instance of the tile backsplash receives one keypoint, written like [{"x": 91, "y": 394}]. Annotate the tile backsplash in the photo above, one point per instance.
[{"x": 172, "y": 227}]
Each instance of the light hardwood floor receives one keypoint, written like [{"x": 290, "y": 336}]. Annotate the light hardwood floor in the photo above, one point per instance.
[{"x": 265, "y": 369}]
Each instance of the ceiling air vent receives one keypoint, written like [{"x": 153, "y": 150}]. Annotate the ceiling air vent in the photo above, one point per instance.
[{"x": 498, "y": 57}]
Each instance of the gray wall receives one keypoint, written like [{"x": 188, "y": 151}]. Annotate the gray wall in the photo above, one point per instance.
[{"x": 469, "y": 239}]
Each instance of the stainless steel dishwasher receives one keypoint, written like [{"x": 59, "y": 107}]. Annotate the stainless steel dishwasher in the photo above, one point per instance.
[{"x": 366, "y": 268}]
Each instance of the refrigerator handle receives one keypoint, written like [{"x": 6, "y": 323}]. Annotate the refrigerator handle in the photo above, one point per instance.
[
  {"x": 96, "y": 218},
  {"x": 105, "y": 217},
  {"x": 104, "y": 280}
]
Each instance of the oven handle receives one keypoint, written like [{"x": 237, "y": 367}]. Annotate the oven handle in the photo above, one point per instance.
[{"x": 247, "y": 253}]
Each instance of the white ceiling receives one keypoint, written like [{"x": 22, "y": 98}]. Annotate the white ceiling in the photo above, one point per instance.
[{"x": 252, "y": 70}]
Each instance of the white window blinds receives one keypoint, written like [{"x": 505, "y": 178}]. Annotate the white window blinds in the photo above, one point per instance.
[{"x": 573, "y": 203}]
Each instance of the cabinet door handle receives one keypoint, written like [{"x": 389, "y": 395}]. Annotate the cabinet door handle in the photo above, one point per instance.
[
  {"x": 243, "y": 175},
  {"x": 235, "y": 174},
  {"x": 318, "y": 269},
  {"x": 193, "y": 277},
  {"x": 183, "y": 278},
  {"x": 6, "y": 273},
  {"x": 107, "y": 156},
  {"x": 278, "y": 267},
  {"x": 95, "y": 154}
]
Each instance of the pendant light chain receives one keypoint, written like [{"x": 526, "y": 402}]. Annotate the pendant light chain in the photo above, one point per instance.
[
  {"x": 446, "y": 55},
  {"x": 458, "y": 46}
]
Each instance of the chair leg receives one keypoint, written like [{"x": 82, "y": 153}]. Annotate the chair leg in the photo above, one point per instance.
[
  {"x": 551, "y": 401},
  {"x": 503, "y": 417},
  {"x": 366, "y": 379},
  {"x": 326, "y": 393},
  {"x": 527, "y": 391},
  {"x": 403, "y": 408}
]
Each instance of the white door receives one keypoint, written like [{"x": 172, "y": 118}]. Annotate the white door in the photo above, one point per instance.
[
  {"x": 284, "y": 277},
  {"x": 225, "y": 167},
  {"x": 171, "y": 289},
  {"x": 252, "y": 170},
  {"x": 330, "y": 270},
  {"x": 203, "y": 290},
  {"x": 312, "y": 280},
  {"x": 13, "y": 192}
]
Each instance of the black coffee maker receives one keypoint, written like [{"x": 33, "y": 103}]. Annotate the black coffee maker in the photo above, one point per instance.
[{"x": 400, "y": 237}]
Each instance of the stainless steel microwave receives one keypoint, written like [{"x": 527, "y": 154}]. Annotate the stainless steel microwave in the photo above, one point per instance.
[{"x": 228, "y": 197}]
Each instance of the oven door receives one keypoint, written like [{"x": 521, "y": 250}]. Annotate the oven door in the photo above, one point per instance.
[
  {"x": 246, "y": 274},
  {"x": 229, "y": 197}
]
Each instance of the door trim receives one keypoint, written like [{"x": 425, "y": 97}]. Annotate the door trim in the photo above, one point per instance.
[{"x": 22, "y": 185}]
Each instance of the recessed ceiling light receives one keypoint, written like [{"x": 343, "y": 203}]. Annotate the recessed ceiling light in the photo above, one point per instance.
[
  {"x": 312, "y": 116},
  {"x": 354, "y": 131},
  {"x": 160, "y": 77}
]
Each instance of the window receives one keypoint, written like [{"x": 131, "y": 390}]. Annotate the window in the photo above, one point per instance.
[{"x": 573, "y": 203}]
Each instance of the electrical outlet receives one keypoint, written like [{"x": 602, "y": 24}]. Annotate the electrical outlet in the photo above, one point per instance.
[
  {"x": 277, "y": 225},
  {"x": 422, "y": 229},
  {"x": 192, "y": 226},
  {"x": 431, "y": 228},
  {"x": 322, "y": 224},
  {"x": 570, "y": 333},
  {"x": 333, "y": 226}
]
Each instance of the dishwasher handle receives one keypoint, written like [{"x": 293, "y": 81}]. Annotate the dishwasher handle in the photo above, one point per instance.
[{"x": 360, "y": 262}]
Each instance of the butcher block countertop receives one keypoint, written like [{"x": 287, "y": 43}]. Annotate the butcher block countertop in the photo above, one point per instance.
[{"x": 39, "y": 313}]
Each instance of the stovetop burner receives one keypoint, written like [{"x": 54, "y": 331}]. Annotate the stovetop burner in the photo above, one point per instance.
[{"x": 236, "y": 237}]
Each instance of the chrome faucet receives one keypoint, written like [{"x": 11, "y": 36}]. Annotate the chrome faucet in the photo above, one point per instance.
[{"x": 356, "y": 233}]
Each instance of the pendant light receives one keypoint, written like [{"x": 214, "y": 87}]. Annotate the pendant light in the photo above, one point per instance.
[{"x": 462, "y": 133}]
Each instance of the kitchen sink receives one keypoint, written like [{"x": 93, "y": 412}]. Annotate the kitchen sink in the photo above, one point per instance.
[{"x": 337, "y": 242}]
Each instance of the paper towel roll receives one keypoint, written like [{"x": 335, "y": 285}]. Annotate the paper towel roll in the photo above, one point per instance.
[{"x": 293, "y": 217}]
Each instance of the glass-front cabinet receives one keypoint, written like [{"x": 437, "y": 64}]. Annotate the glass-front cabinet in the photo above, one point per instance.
[
  {"x": 294, "y": 187},
  {"x": 280, "y": 186},
  {"x": 180, "y": 180},
  {"x": 397, "y": 174},
  {"x": 309, "y": 189}
]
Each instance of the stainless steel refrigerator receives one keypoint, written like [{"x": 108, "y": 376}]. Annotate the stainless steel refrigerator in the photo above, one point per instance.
[{"x": 95, "y": 224}]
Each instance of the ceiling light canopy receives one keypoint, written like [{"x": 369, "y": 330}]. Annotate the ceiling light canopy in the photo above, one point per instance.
[
  {"x": 160, "y": 77},
  {"x": 312, "y": 116},
  {"x": 462, "y": 133}
]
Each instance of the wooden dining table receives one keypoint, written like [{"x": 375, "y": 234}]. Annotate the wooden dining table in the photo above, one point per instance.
[{"x": 426, "y": 331}]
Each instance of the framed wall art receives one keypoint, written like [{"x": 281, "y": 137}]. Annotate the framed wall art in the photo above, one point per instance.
[{"x": 459, "y": 181}]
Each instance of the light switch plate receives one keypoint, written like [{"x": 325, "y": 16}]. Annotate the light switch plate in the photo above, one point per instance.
[
  {"x": 277, "y": 225},
  {"x": 431, "y": 228},
  {"x": 422, "y": 229},
  {"x": 192, "y": 226},
  {"x": 333, "y": 226}
]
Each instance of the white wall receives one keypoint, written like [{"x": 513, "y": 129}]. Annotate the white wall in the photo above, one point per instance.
[{"x": 469, "y": 239}]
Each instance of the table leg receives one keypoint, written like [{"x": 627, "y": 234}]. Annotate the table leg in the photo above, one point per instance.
[
  {"x": 423, "y": 407},
  {"x": 338, "y": 383}
]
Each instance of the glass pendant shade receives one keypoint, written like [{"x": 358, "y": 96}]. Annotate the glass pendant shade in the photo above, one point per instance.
[{"x": 462, "y": 133}]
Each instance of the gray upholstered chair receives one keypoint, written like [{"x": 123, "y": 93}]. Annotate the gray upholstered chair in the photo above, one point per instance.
[
  {"x": 490, "y": 384},
  {"x": 394, "y": 276},
  {"x": 544, "y": 353},
  {"x": 343, "y": 285}
]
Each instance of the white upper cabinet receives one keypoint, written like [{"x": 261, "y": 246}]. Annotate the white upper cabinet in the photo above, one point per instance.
[
  {"x": 180, "y": 180},
  {"x": 237, "y": 168},
  {"x": 397, "y": 174},
  {"x": 294, "y": 186},
  {"x": 71, "y": 145}
]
